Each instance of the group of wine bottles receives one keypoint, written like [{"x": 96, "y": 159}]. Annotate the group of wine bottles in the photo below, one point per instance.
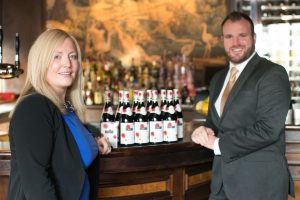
[{"x": 143, "y": 122}]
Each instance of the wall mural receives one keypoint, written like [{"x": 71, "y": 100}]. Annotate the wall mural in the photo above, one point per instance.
[{"x": 141, "y": 29}]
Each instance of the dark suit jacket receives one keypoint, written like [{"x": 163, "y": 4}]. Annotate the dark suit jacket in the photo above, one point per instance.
[
  {"x": 45, "y": 160},
  {"x": 252, "y": 164}
]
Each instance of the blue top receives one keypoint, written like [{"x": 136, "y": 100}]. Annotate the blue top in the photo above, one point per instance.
[{"x": 87, "y": 146}]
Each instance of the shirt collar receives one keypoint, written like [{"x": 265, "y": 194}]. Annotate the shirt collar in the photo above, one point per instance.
[{"x": 242, "y": 65}]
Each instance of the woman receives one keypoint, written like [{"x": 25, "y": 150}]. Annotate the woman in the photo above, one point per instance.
[{"x": 53, "y": 154}]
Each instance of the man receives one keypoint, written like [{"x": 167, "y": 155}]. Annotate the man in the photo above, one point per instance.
[{"x": 249, "y": 101}]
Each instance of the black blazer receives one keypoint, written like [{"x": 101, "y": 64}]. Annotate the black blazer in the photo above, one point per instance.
[
  {"x": 45, "y": 160},
  {"x": 251, "y": 132}
]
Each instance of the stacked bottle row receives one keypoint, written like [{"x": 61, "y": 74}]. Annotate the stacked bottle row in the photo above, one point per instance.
[{"x": 141, "y": 124}]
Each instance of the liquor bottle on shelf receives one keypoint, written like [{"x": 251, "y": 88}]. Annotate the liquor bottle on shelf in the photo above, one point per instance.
[
  {"x": 89, "y": 96},
  {"x": 149, "y": 102},
  {"x": 170, "y": 120},
  {"x": 126, "y": 123},
  {"x": 163, "y": 101},
  {"x": 17, "y": 48},
  {"x": 179, "y": 114},
  {"x": 141, "y": 123},
  {"x": 155, "y": 121},
  {"x": 107, "y": 121}
]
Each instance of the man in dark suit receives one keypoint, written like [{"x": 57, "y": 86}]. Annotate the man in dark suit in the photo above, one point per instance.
[{"x": 249, "y": 101}]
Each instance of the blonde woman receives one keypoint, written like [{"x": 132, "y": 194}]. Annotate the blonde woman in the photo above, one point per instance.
[{"x": 53, "y": 155}]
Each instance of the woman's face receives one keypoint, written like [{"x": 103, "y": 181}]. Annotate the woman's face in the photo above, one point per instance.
[{"x": 63, "y": 68}]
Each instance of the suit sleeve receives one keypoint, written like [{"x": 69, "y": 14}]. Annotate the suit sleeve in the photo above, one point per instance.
[
  {"x": 273, "y": 101},
  {"x": 33, "y": 133}
]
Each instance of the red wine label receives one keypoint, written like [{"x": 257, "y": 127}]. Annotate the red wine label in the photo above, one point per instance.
[
  {"x": 126, "y": 133},
  {"x": 170, "y": 131},
  {"x": 180, "y": 128},
  {"x": 110, "y": 131},
  {"x": 156, "y": 131},
  {"x": 141, "y": 132}
]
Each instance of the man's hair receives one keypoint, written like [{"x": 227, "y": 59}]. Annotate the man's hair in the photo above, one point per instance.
[{"x": 235, "y": 16}]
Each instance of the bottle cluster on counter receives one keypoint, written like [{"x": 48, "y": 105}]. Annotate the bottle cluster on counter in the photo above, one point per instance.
[{"x": 152, "y": 122}]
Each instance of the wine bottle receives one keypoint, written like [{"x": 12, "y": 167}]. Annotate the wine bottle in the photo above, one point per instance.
[
  {"x": 170, "y": 120},
  {"x": 135, "y": 101},
  {"x": 155, "y": 121},
  {"x": 163, "y": 102},
  {"x": 126, "y": 123},
  {"x": 149, "y": 102},
  {"x": 141, "y": 123},
  {"x": 107, "y": 121},
  {"x": 179, "y": 114},
  {"x": 1, "y": 40},
  {"x": 17, "y": 48}
]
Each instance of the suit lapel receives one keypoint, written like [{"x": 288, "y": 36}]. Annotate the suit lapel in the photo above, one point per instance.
[{"x": 240, "y": 81}]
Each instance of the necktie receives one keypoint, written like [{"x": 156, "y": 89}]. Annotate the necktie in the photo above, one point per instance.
[{"x": 228, "y": 87}]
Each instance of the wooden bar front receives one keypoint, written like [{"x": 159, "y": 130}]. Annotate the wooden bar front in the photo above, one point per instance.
[{"x": 176, "y": 171}]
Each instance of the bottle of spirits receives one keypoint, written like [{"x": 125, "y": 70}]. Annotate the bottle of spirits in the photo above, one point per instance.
[
  {"x": 126, "y": 123},
  {"x": 155, "y": 121},
  {"x": 17, "y": 48},
  {"x": 141, "y": 123},
  {"x": 107, "y": 121},
  {"x": 170, "y": 120},
  {"x": 179, "y": 114}
]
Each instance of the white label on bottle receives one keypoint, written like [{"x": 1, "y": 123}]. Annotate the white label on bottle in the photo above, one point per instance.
[
  {"x": 16, "y": 57},
  {"x": 127, "y": 111},
  {"x": 156, "y": 110},
  {"x": 179, "y": 128},
  {"x": 126, "y": 133},
  {"x": 178, "y": 108},
  {"x": 109, "y": 110},
  {"x": 156, "y": 131},
  {"x": 141, "y": 130},
  {"x": 108, "y": 129},
  {"x": 170, "y": 131},
  {"x": 170, "y": 109},
  {"x": 143, "y": 111}
]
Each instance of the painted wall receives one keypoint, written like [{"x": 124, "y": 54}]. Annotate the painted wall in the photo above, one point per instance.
[{"x": 141, "y": 29}]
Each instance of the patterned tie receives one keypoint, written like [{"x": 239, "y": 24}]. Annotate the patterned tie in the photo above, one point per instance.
[{"x": 228, "y": 87}]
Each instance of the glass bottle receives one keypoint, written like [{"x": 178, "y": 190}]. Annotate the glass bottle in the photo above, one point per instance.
[
  {"x": 179, "y": 114},
  {"x": 149, "y": 101},
  {"x": 141, "y": 123},
  {"x": 126, "y": 123},
  {"x": 107, "y": 121},
  {"x": 170, "y": 120},
  {"x": 163, "y": 102},
  {"x": 155, "y": 121}
]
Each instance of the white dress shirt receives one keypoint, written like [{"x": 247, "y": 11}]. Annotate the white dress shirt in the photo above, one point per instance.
[{"x": 240, "y": 67}]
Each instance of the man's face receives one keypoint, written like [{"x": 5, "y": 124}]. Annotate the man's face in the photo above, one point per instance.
[{"x": 238, "y": 41}]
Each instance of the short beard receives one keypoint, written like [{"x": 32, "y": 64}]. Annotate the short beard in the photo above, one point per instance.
[{"x": 246, "y": 56}]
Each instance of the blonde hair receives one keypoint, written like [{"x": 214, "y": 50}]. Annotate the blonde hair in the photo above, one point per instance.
[{"x": 40, "y": 56}]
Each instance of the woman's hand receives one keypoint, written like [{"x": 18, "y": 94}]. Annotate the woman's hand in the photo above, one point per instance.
[{"x": 104, "y": 145}]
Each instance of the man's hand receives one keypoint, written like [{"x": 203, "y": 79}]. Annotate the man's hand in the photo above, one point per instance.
[{"x": 204, "y": 136}]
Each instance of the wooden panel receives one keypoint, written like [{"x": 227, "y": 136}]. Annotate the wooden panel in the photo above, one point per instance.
[{"x": 3, "y": 186}]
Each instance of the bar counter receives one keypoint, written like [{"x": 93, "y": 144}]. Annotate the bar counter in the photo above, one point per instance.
[{"x": 180, "y": 170}]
